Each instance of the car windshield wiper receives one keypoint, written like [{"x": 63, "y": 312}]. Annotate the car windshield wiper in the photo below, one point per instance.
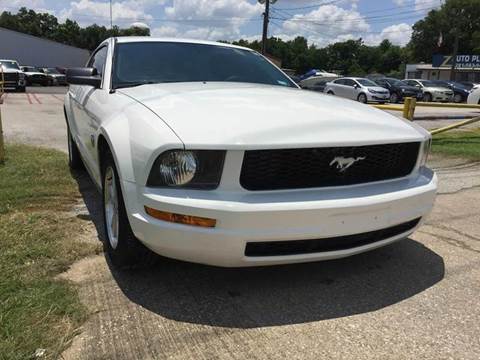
[{"x": 134, "y": 83}]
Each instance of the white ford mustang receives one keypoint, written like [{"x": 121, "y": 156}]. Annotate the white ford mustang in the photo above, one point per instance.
[{"x": 207, "y": 152}]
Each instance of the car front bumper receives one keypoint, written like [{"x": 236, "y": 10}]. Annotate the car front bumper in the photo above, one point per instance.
[
  {"x": 442, "y": 97},
  {"x": 378, "y": 97},
  {"x": 249, "y": 217}
]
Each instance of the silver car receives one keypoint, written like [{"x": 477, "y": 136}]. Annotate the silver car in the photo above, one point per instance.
[
  {"x": 361, "y": 89},
  {"x": 431, "y": 91}
]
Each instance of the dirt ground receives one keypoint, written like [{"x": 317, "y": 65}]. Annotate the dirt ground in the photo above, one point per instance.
[{"x": 415, "y": 299}]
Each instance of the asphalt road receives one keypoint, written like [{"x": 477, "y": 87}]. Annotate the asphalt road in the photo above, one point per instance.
[{"x": 416, "y": 299}]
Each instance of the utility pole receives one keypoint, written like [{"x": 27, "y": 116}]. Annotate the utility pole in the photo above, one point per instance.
[
  {"x": 111, "y": 18},
  {"x": 454, "y": 56},
  {"x": 266, "y": 19}
]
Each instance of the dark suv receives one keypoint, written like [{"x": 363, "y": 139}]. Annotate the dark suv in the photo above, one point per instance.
[{"x": 398, "y": 90}]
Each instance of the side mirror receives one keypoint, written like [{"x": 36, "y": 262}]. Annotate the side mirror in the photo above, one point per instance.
[
  {"x": 84, "y": 76},
  {"x": 355, "y": 86}
]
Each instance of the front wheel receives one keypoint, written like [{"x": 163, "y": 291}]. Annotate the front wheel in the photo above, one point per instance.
[
  {"x": 121, "y": 245},
  {"x": 393, "y": 98},
  {"x": 362, "y": 98},
  {"x": 457, "y": 98},
  {"x": 74, "y": 159},
  {"x": 427, "y": 97}
]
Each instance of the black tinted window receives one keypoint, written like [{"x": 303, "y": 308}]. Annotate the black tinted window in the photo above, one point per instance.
[
  {"x": 157, "y": 62},
  {"x": 349, "y": 82}
]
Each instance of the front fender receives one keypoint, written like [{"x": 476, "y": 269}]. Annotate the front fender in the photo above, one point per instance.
[{"x": 135, "y": 136}]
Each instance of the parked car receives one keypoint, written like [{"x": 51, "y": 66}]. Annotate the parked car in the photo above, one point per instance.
[
  {"x": 55, "y": 76},
  {"x": 206, "y": 152},
  {"x": 460, "y": 91},
  {"x": 399, "y": 90},
  {"x": 431, "y": 91},
  {"x": 474, "y": 96},
  {"x": 316, "y": 83},
  {"x": 34, "y": 76},
  {"x": 361, "y": 89},
  {"x": 13, "y": 76}
]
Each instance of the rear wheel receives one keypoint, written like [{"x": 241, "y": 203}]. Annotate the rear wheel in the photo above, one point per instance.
[
  {"x": 121, "y": 245},
  {"x": 362, "y": 98}
]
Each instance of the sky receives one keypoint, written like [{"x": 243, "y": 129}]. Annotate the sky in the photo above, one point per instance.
[{"x": 322, "y": 22}]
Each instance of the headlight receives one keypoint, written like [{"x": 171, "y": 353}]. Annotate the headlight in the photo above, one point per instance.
[
  {"x": 373, "y": 91},
  {"x": 200, "y": 169},
  {"x": 426, "y": 145}
]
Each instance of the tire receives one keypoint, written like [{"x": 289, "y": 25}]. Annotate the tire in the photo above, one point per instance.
[
  {"x": 121, "y": 246},
  {"x": 74, "y": 159},
  {"x": 427, "y": 97},
  {"x": 21, "y": 89},
  {"x": 457, "y": 98},
  {"x": 330, "y": 92},
  {"x": 362, "y": 98},
  {"x": 394, "y": 98}
]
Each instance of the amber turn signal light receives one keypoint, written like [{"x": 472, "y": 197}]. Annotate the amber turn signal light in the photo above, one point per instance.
[{"x": 181, "y": 219}]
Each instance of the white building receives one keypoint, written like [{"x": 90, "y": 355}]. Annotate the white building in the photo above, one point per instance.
[{"x": 35, "y": 51}]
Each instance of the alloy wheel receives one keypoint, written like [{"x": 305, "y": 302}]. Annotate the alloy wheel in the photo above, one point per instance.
[{"x": 111, "y": 206}]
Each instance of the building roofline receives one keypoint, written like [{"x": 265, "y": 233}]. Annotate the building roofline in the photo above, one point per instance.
[{"x": 43, "y": 39}]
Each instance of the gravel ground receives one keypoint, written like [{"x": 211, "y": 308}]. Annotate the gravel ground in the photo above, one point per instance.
[{"x": 416, "y": 299}]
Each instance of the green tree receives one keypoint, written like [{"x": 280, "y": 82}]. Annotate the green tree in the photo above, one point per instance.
[{"x": 454, "y": 16}]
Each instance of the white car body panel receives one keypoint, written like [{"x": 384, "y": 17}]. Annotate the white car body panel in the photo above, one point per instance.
[
  {"x": 474, "y": 96},
  {"x": 140, "y": 123}
]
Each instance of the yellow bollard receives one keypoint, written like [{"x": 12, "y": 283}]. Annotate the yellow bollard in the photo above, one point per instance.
[
  {"x": 411, "y": 112},
  {"x": 406, "y": 107}
]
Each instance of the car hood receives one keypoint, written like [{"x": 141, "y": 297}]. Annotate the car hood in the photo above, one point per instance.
[
  {"x": 436, "y": 88},
  {"x": 33, "y": 73},
  {"x": 377, "y": 88},
  {"x": 242, "y": 116},
  {"x": 409, "y": 88}
]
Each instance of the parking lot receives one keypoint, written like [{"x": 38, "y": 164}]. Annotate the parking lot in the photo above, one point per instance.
[{"x": 415, "y": 299}]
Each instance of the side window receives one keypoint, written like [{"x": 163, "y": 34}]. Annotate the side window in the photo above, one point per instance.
[
  {"x": 349, "y": 82},
  {"x": 98, "y": 60},
  {"x": 339, "y": 82},
  {"x": 382, "y": 83}
]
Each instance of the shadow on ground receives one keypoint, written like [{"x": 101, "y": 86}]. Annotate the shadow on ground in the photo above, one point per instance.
[{"x": 269, "y": 296}]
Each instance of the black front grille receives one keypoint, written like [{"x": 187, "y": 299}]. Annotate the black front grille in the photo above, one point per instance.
[
  {"x": 317, "y": 167},
  {"x": 10, "y": 77},
  {"x": 296, "y": 247}
]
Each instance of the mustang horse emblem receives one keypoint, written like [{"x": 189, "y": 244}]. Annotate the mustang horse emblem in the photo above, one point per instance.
[{"x": 344, "y": 163}]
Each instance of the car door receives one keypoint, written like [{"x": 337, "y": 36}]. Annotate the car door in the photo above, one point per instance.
[
  {"x": 86, "y": 106},
  {"x": 338, "y": 87},
  {"x": 350, "y": 90}
]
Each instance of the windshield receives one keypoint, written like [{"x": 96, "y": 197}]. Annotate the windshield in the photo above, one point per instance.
[
  {"x": 366, "y": 82},
  {"x": 395, "y": 82},
  {"x": 52, "y": 71},
  {"x": 428, "y": 83},
  {"x": 158, "y": 62},
  {"x": 10, "y": 65}
]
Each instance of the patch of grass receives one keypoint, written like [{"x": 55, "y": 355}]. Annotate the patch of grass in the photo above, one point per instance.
[
  {"x": 461, "y": 143},
  {"x": 37, "y": 311}
]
